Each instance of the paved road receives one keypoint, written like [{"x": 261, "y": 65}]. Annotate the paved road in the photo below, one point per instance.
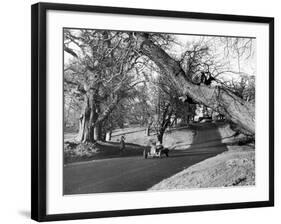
[{"x": 136, "y": 173}]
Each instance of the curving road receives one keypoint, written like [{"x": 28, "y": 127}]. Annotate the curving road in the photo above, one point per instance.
[{"x": 136, "y": 173}]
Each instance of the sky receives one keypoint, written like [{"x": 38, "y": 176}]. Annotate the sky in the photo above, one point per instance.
[{"x": 247, "y": 65}]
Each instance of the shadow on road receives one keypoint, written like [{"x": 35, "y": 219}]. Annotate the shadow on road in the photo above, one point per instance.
[{"x": 207, "y": 140}]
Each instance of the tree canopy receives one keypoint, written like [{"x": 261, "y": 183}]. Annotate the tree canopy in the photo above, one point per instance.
[{"x": 113, "y": 78}]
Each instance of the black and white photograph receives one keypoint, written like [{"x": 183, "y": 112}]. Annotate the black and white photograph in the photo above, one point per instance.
[
  {"x": 140, "y": 112},
  {"x": 149, "y": 111}
]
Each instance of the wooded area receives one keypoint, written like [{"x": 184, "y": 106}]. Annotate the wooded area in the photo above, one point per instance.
[{"x": 115, "y": 79}]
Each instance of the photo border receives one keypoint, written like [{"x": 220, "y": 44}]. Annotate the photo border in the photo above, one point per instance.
[{"x": 39, "y": 114}]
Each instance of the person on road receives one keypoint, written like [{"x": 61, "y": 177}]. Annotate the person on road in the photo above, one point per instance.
[{"x": 122, "y": 143}]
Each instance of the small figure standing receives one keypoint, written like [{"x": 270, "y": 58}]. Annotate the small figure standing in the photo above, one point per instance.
[{"x": 122, "y": 143}]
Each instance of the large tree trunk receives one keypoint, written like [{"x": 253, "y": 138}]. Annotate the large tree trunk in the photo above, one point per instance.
[
  {"x": 219, "y": 99},
  {"x": 87, "y": 120},
  {"x": 91, "y": 119}
]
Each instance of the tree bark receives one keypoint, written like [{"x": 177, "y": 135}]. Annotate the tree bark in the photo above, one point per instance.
[
  {"x": 219, "y": 99},
  {"x": 162, "y": 130},
  {"x": 98, "y": 132},
  {"x": 104, "y": 115},
  {"x": 165, "y": 123},
  {"x": 87, "y": 120},
  {"x": 91, "y": 119}
]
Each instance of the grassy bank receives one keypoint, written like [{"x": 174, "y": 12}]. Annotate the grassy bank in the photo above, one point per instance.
[
  {"x": 236, "y": 167},
  {"x": 77, "y": 152}
]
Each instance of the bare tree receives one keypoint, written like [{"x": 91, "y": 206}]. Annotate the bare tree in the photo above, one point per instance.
[
  {"x": 218, "y": 98},
  {"x": 100, "y": 75}
]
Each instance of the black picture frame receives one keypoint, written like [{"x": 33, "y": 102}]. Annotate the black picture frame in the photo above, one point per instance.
[{"x": 39, "y": 114}]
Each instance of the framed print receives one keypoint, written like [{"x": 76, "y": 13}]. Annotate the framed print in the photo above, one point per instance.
[{"x": 138, "y": 111}]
